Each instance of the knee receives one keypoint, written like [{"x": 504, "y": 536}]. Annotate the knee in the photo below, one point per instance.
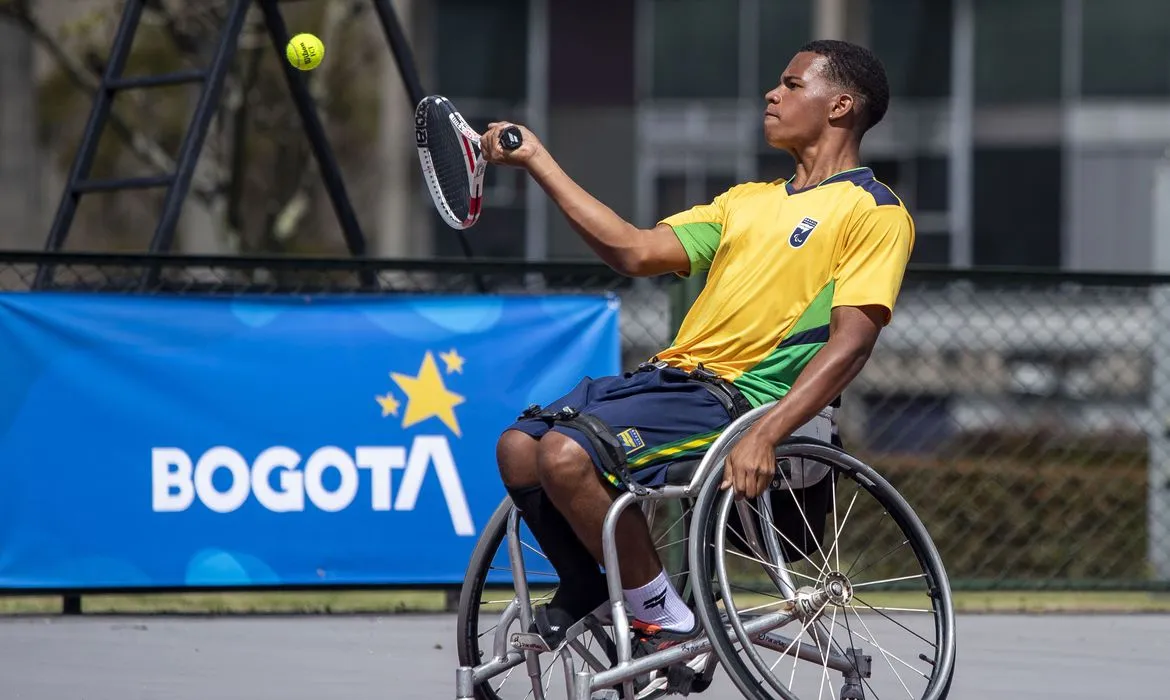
[
  {"x": 516, "y": 459},
  {"x": 560, "y": 460}
]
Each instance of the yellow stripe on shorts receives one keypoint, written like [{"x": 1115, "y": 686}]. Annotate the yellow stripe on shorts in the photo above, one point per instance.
[{"x": 674, "y": 450}]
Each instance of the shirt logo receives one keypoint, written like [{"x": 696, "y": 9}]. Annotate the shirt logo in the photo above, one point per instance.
[
  {"x": 802, "y": 231},
  {"x": 631, "y": 440}
]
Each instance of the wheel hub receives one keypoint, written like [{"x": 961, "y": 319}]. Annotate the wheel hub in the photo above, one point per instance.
[
  {"x": 838, "y": 589},
  {"x": 835, "y": 589}
]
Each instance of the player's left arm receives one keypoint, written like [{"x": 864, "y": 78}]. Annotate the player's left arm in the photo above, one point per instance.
[{"x": 867, "y": 280}]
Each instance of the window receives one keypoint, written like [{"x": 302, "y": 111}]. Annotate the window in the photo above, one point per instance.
[
  {"x": 891, "y": 173},
  {"x": 774, "y": 165},
  {"x": 672, "y": 194},
  {"x": 784, "y": 26},
  {"x": 931, "y": 249},
  {"x": 1017, "y": 51},
  {"x": 471, "y": 59},
  {"x": 1017, "y": 206},
  {"x": 498, "y": 234},
  {"x": 1126, "y": 48},
  {"x": 696, "y": 48},
  {"x": 932, "y": 186},
  {"x": 500, "y": 231},
  {"x": 919, "y": 181},
  {"x": 913, "y": 40}
]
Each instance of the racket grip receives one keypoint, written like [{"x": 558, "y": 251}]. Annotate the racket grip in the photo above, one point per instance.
[{"x": 510, "y": 139}]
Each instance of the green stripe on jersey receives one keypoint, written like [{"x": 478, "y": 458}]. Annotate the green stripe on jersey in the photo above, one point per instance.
[
  {"x": 773, "y": 377},
  {"x": 700, "y": 241}
]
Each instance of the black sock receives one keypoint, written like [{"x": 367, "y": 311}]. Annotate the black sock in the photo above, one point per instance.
[{"x": 582, "y": 584}]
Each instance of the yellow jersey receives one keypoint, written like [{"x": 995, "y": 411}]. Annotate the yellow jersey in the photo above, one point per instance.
[{"x": 779, "y": 260}]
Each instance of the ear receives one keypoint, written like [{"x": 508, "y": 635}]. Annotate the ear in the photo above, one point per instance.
[{"x": 842, "y": 106}]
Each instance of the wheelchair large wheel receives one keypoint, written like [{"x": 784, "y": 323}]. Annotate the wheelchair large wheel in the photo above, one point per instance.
[
  {"x": 488, "y": 606},
  {"x": 827, "y": 586}
]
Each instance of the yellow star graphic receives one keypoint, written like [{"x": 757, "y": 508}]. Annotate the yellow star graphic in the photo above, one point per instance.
[
  {"x": 427, "y": 397},
  {"x": 389, "y": 405},
  {"x": 453, "y": 361}
]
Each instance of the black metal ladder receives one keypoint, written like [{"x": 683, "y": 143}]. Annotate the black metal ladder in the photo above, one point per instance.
[{"x": 178, "y": 183}]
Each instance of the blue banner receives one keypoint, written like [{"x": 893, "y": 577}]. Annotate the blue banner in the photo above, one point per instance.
[{"x": 207, "y": 442}]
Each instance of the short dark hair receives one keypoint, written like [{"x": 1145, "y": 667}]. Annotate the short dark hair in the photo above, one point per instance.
[{"x": 856, "y": 69}]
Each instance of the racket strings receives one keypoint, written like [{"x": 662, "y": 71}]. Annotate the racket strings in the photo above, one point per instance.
[{"x": 450, "y": 153}]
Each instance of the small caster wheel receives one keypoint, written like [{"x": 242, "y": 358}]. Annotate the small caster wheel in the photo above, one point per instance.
[{"x": 852, "y": 691}]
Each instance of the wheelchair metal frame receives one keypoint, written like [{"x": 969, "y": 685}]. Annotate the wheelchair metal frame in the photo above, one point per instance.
[{"x": 583, "y": 683}]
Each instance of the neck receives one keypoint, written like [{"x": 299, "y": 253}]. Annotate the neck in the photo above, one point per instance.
[{"x": 819, "y": 162}]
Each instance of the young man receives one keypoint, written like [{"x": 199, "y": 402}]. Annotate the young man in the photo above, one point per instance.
[{"x": 803, "y": 274}]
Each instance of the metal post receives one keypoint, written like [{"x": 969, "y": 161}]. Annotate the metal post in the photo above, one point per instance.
[
  {"x": 403, "y": 56},
  {"x": 330, "y": 171},
  {"x": 71, "y": 604},
  {"x": 1158, "y": 429},
  {"x": 404, "y": 59},
  {"x": 962, "y": 131},
  {"x": 535, "y": 200},
  {"x": 87, "y": 149},
  {"x": 750, "y": 95},
  {"x": 829, "y": 19},
  {"x": 83, "y": 161},
  {"x": 464, "y": 687},
  {"x": 192, "y": 145},
  {"x": 1071, "y": 55}
]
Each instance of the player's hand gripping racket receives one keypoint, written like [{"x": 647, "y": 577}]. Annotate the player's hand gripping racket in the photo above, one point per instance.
[{"x": 452, "y": 160}]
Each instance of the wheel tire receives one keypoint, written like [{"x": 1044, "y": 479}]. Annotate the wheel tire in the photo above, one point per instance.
[
  {"x": 723, "y": 641},
  {"x": 467, "y": 624}
]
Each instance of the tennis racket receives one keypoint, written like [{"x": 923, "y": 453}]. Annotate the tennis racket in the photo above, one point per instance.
[{"x": 452, "y": 161}]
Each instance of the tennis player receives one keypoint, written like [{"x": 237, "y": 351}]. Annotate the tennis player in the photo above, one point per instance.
[{"x": 803, "y": 274}]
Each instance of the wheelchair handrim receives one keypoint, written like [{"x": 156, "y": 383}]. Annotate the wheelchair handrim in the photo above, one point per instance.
[{"x": 711, "y": 518}]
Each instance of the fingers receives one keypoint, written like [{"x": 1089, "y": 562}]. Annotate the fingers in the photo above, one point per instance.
[
  {"x": 729, "y": 469},
  {"x": 763, "y": 480},
  {"x": 743, "y": 479},
  {"x": 490, "y": 143},
  {"x": 749, "y": 476}
]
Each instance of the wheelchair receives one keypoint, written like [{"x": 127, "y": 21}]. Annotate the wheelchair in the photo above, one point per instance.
[{"x": 826, "y": 586}]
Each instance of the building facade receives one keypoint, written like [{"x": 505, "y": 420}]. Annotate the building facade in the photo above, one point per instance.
[{"x": 1021, "y": 132}]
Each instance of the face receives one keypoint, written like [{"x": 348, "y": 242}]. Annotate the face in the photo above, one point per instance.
[{"x": 801, "y": 107}]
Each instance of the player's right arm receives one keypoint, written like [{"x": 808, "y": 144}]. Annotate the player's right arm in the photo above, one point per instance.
[{"x": 630, "y": 250}]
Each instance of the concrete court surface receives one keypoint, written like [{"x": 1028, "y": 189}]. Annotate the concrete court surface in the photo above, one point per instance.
[{"x": 412, "y": 657}]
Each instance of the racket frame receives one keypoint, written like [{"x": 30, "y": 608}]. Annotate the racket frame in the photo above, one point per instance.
[{"x": 473, "y": 160}]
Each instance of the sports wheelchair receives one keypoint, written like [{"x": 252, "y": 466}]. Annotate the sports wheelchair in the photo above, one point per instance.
[{"x": 791, "y": 589}]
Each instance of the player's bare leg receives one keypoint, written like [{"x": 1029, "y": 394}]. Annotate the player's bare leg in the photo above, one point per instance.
[
  {"x": 571, "y": 481},
  {"x": 516, "y": 457},
  {"x": 576, "y": 489}
]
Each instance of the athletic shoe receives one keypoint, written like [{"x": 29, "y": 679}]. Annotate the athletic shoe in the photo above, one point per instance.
[
  {"x": 555, "y": 625},
  {"x": 678, "y": 678},
  {"x": 654, "y": 638}
]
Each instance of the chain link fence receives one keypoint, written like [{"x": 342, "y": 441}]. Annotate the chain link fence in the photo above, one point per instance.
[
  {"x": 645, "y": 322},
  {"x": 1023, "y": 415},
  {"x": 1019, "y": 414}
]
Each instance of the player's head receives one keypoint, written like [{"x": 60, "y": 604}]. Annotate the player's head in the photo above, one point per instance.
[{"x": 828, "y": 84}]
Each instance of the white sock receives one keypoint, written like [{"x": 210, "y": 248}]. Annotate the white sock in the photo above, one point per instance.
[{"x": 658, "y": 603}]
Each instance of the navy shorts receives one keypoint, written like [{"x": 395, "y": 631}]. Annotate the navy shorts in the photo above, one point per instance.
[{"x": 658, "y": 414}]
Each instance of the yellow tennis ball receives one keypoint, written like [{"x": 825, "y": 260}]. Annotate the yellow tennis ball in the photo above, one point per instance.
[{"x": 305, "y": 51}]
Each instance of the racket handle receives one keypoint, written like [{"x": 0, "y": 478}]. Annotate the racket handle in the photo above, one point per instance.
[{"x": 510, "y": 139}]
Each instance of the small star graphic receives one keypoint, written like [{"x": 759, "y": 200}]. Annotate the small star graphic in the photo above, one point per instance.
[
  {"x": 453, "y": 361},
  {"x": 427, "y": 397},
  {"x": 389, "y": 405}
]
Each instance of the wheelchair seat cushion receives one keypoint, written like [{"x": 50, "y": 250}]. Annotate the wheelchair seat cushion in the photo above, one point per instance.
[{"x": 680, "y": 472}]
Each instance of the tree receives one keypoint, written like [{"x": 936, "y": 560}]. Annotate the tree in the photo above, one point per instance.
[{"x": 257, "y": 183}]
